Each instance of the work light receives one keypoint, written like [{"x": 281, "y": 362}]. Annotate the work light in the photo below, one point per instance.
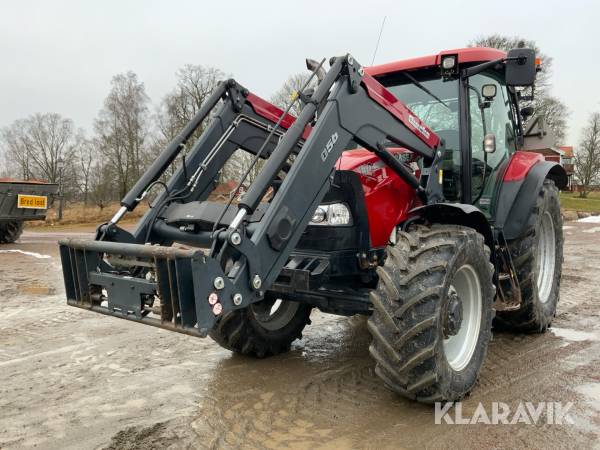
[{"x": 448, "y": 62}]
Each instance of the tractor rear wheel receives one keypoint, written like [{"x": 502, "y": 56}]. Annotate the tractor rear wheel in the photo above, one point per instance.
[
  {"x": 262, "y": 329},
  {"x": 537, "y": 258},
  {"x": 432, "y": 316},
  {"x": 10, "y": 232}
]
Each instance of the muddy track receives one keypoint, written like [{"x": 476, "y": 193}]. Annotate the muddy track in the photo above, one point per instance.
[{"x": 73, "y": 379}]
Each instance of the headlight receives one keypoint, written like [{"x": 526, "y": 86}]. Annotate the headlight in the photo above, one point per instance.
[
  {"x": 334, "y": 214},
  {"x": 319, "y": 216}
]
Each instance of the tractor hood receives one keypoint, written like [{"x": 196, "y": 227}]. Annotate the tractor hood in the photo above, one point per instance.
[{"x": 355, "y": 159}]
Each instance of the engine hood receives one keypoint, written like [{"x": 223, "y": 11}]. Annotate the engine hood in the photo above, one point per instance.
[{"x": 354, "y": 159}]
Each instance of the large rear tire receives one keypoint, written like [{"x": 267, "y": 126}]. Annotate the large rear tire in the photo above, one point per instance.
[
  {"x": 432, "y": 316},
  {"x": 537, "y": 258},
  {"x": 10, "y": 232},
  {"x": 262, "y": 329}
]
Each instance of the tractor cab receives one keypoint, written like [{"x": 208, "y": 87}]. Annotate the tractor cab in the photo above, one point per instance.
[{"x": 475, "y": 114}]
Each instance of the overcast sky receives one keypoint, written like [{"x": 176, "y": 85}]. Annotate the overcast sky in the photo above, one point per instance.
[{"x": 59, "y": 55}]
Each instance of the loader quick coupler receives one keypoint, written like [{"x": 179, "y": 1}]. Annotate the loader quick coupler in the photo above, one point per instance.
[{"x": 190, "y": 260}]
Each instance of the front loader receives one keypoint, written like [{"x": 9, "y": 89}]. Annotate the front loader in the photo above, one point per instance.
[{"x": 360, "y": 207}]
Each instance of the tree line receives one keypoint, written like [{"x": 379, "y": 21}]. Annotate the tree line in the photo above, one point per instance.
[
  {"x": 129, "y": 132},
  {"x": 127, "y": 135}
]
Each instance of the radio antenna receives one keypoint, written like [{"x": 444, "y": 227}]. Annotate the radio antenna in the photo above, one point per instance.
[{"x": 378, "y": 40}]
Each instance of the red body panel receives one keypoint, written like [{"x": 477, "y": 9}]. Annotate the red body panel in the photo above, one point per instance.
[
  {"x": 387, "y": 197},
  {"x": 465, "y": 55},
  {"x": 273, "y": 113},
  {"x": 519, "y": 165}
]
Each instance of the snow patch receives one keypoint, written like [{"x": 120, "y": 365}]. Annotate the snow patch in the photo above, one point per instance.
[
  {"x": 591, "y": 219},
  {"x": 35, "y": 255},
  {"x": 592, "y": 230},
  {"x": 574, "y": 335}
]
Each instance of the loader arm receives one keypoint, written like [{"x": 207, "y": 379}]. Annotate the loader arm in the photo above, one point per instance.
[{"x": 186, "y": 290}]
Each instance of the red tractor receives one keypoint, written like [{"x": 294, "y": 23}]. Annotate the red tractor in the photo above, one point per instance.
[{"x": 399, "y": 192}]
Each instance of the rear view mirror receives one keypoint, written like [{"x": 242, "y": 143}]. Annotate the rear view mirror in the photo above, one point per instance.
[
  {"x": 520, "y": 67},
  {"x": 489, "y": 143}
]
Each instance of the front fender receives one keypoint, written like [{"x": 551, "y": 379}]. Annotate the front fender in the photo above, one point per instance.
[
  {"x": 457, "y": 214},
  {"x": 517, "y": 197}
]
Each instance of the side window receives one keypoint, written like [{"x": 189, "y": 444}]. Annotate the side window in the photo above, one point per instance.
[{"x": 493, "y": 118}]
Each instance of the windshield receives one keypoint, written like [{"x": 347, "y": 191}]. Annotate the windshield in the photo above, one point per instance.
[
  {"x": 438, "y": 107},
  {"x": 435, "y": 102}
]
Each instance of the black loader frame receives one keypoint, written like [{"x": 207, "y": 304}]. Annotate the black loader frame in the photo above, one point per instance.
[{"x": 123, "y": 274}]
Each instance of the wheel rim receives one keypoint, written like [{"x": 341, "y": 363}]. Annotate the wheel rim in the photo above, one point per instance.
[
  {"x": 459, "y": 347},
  {"x": 275, "y": 314},
  {"x": 546, "y": 257}
]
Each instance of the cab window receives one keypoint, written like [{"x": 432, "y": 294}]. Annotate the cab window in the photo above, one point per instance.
[
  {"x": 435, "y": 102},
  {"x": 489, "y": 116}
]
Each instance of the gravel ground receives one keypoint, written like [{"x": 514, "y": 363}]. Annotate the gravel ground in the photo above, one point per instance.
[{"x": 74, "y": 379}]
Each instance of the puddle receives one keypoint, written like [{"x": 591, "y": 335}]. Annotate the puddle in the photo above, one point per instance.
[
  {"x": 574, "y": 335},
  {"x": 36, "y": 289},
  {"x": 35, "y": 255}
]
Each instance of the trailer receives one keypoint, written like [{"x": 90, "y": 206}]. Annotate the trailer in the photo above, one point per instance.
[{"x": 21, "y": 201}]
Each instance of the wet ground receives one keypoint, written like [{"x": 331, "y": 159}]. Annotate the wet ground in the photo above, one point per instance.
[{"x": 77, "y": 380}]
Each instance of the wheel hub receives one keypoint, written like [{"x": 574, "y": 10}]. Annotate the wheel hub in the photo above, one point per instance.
[
  {"x": 454, "y": 315},
  {"x": 546, "y": 257},
  {"x": 462, "y": 317}
]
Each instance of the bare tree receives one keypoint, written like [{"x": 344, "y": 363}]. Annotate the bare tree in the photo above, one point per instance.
[
  {"x": 86, "y": 159},
  {"x": 284, "y": 95},
  {"x": 545, "y": 104},
  {"x": 37, "y": 145},
  {"x": 101, "y": 183},
  {"x": 15, "y": 151},
  {"x": 195, "y": 83},
  {"x": 587, "y": 156},
  {"x": 122, "y": 129}
]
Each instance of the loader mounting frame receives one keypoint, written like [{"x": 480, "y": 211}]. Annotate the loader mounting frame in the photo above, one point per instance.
[{"x": 140, "y": 276}]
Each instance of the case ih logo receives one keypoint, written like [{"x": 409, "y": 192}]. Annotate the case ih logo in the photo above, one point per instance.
[
  {"x": 329, "y": 146},
  {"x": 419, "y": 126}
]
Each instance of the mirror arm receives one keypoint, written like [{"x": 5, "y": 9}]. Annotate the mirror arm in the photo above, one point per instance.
[{"x": 470, "y": 71}]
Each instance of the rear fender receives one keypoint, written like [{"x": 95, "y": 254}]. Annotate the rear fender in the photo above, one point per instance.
[
  {"x": 518, "y": 196},
  {"x": 457, "y": 214}
]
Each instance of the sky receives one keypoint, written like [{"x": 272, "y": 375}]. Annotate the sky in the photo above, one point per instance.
[{"x": 60, "y": 55}]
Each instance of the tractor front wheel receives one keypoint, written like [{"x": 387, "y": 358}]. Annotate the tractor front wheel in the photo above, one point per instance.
[
  {"x": 432, "y": 316},
  {"x": 262, "y": 329},
  {"x": 10, "y": 232}
]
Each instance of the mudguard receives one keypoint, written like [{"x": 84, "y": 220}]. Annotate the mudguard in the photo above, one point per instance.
[
  {"x": 457, "y": 214},
  {"x": 518, "y": 196}
]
